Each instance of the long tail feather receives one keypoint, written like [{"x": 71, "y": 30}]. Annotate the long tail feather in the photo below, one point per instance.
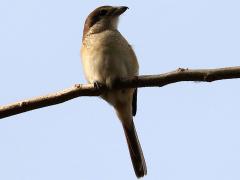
[{"x": 135, "y": 151}]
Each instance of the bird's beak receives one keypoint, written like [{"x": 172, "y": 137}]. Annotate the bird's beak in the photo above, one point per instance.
[{"x": 117, "y": 11}]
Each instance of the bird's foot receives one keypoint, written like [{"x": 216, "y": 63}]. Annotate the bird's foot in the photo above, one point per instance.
[{"x": 98, "y": 85}]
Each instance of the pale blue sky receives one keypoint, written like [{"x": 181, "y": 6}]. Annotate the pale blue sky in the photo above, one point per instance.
[{"x": 187, "y": 130}]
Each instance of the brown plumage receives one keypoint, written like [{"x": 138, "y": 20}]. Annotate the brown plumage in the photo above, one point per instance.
[{"x": 107, "y": 56}]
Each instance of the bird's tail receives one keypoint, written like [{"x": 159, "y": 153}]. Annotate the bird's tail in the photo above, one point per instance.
[{"x": 135, "y": 150}]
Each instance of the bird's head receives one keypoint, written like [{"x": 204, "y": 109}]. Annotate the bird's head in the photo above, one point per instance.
[{"x": 103, "y": 18}]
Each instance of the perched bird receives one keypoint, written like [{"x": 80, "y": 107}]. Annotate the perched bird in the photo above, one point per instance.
[{"x": 107, "y": 57}]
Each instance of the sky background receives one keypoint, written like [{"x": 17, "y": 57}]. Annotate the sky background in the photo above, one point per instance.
[{"x": 187, "y": 130}]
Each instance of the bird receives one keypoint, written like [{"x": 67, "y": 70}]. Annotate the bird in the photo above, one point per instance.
[{"x": 107, "y": 57}]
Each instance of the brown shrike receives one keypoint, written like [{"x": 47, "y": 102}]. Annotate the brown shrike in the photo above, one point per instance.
[{"x": 106, "y": 57}]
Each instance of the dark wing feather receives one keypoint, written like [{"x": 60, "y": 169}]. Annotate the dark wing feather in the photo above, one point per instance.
[{"x": 134, "y": 103}]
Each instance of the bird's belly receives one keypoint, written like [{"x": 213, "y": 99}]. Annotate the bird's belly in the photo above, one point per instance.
[{"x": 104, "y": 65}]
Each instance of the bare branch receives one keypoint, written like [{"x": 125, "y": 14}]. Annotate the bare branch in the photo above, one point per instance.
[{"x": 204, "y": 75}]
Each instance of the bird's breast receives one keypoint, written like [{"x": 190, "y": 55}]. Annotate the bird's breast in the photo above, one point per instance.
[{"x": 106, "y": 55}]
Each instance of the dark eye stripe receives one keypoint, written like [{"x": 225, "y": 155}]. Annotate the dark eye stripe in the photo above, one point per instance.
[
  {"x": 103, "y": 12},
  {"x": 95, "y": 16}
]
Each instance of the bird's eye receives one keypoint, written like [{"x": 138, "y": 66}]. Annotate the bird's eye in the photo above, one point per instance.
[{"x": 103, "y": 12}]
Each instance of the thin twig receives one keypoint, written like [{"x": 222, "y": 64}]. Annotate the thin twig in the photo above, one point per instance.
[{"x": 204, "y": 75}]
